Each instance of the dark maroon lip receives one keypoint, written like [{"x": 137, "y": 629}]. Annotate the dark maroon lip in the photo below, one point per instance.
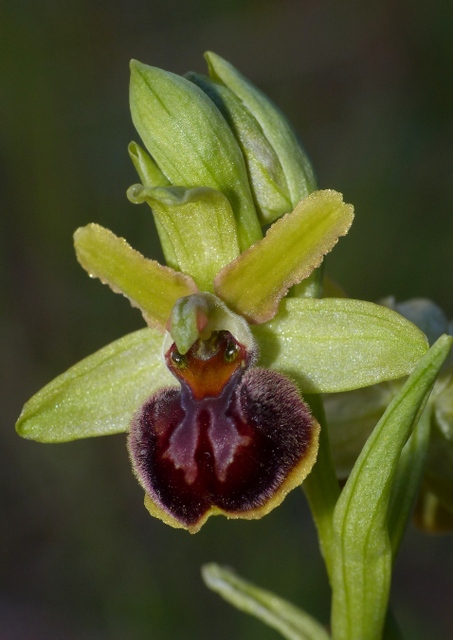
[{"x": 197, "y": 452}]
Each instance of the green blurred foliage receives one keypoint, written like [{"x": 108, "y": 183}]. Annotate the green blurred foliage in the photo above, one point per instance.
[{"x": 368, "y": 87}]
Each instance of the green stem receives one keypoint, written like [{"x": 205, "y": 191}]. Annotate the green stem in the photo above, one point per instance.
[{"x": 321, "y": 486}]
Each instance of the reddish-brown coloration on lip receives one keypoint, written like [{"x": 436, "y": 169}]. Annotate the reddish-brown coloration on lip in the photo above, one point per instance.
[{"x": 226, "y": 441}]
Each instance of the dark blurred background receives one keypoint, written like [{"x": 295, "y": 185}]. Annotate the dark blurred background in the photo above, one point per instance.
[{"x": 368, "y": 85}]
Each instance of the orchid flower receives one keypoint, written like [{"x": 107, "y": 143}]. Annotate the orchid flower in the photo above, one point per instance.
[{"x": 210, "y": 390}]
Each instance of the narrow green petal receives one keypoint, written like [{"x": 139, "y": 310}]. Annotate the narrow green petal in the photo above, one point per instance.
[
  {"x": 191, "y": 142},
  {"x": 149, "y": 286},
  {"x": 99, "y": 395},
  {"x": 278, "y": 131},
  {"x": 294, "y": 246},
  {"x": 292, "y": 623},
  {"x": 199, "y": 224},
  {"x": 338, "y": 344},
  {"x": 363, "y": 555},
  {"x": 148, "y": 171}
]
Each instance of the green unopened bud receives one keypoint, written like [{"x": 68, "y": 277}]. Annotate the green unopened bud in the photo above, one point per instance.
[
  {"x": 190, "y": 142},
  {"x": 275, "y": 127},
  {"x": 267, "y": 180}
]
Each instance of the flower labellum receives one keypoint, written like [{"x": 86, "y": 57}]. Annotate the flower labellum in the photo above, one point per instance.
[{"x": 233, "y": 439}]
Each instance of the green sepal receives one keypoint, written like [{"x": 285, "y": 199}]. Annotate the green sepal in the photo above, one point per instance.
[
  {"x": 290, "y": 621},
  {"x": 293, "y": 247},
  {"x": 276, "y": 128},
  {"x": 99, "y": 395},
  {"x": 265, "y": 172},
  {"x": 363, "y": 553},
  {"x": 199, "y": 225},
  {"x": 151, "y": 176},
  {"x": 148, "y": 285},
  {"x": 190, "y": 141},
  {"x": 338, "y": 344}
]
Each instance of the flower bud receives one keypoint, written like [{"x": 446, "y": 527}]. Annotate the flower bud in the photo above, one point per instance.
[
  {"x": 296, "y": 167},
  {"x": 190, "y": 142},
  {"x": 266, "y": 176}
]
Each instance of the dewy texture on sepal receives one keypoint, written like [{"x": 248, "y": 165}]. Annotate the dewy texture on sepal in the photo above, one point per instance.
[{"x": 233, "y": 439}]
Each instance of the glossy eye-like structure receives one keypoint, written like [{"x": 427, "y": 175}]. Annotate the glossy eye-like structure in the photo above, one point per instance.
[{"x": 233, "y": 439}]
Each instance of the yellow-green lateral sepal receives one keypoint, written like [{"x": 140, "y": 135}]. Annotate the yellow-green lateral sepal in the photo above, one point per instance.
[
  {"x": 294, "y": 246},
  {"x": 363, "y": 552},
  {"x": 99, "y": 395},
  {"x": 290, "y": 621},
  {"x": 199, "y": 225},
  {"x": 149, "y": 286},
  {"x": 190, "y": 141},
  {"x": 337, "y": 344}
]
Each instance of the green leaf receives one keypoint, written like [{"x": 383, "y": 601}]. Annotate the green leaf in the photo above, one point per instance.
[
  {"x": 407, "y": 480},
  {"x": 199, "y": 225},
  {"x": 265, "y": 172},
  {"x": 276, "y": 128},
  {"x": 290, "y": 621},
  {"x": 99, "y": 395},
  {"x": 149, "y": 286},
  {"x": 294, "y": 246},
  {"x": 363, "y": 554},
  {"x": 190, "y": 141},
  {"x": 334, "y": 344}
]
